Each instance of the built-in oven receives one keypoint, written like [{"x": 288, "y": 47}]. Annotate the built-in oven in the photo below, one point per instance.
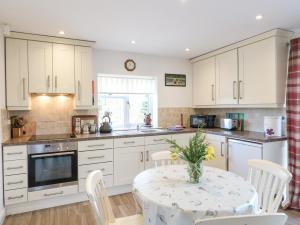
[{"x": 52, "y": 165}]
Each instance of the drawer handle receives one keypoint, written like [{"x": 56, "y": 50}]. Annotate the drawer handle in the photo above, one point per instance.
[
  {"x": 14, "y": 168},
  {"x": 16, "y": 182},
  {"x": 101, "y": 145},
  {"x": 129, "y": 142},
  {"x": 103, "y": 169},
  {"x": 158, "y": 139},
  {"x": 15, "y": 197},
  {"x": 14, "y": 153},
  {"x": 96, "y": 157},
  {"x": 55, "y": 193}
]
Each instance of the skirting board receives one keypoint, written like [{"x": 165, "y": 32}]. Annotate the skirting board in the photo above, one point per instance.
[
  {"x": 2, "y": 215},
  {"x": 59, "y": 201}
]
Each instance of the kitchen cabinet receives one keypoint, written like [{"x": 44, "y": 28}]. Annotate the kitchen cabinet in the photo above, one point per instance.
[
  {"x": 17, "y": 97},
  {"x": 219, "y": 144},
  {"x": 128, "y": 162},
  {"x": 204, "y": 80},
  {"x": 83, "y": 77},
  {"x": 262, "y": 74},
  {"x": 40, "y": 67},
  {"x": 182, "y": 139},
  {"x": 227, "y": 78},
  {"x": 63, "y": 69}
]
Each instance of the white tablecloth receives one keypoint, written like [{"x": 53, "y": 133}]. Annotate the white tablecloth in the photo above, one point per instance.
[{"x": 166, "y": 197}]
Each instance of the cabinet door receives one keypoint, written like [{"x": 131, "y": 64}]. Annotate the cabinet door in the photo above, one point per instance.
[
  {"x": 257, "y": 73},
  {"x": 63, "y": 69},
  {"x": 182, "y": 139},
  {"x": 204, "y": 76},
  {"x": 128, "y": 162},
  {"x": 219, "y": 144},
  {"x": 150, "y": 149},
  {"x": 40, "y": 67},
  {"x": 83, "y": 77},
  {"x": 227, "y": 78},
  {"x": 16, "y": 74},
  {"x": 239, "y": 152}
]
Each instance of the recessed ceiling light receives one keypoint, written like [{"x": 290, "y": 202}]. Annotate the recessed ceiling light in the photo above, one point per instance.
[
  {"x": 61, "y": 32},
  {"x": 133, "y": 42},
  {"x": 187, "y": 49},
  {"x": 259, "y": 17}
]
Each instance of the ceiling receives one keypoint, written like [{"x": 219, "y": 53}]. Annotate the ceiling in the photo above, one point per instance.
[{"x": 159, "y": 27}]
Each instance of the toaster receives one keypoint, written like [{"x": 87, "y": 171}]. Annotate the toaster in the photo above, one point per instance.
[{"x": 229, "y": 124}]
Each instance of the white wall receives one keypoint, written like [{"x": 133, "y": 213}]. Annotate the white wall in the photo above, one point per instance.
[
  {"x": 2, "y": 106},
  {"x": 112, "y": 62}
]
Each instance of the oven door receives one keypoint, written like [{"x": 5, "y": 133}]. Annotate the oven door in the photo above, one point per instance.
[{"x": 51, "y": 168}]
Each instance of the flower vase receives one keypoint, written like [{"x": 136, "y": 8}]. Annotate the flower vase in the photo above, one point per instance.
[{"x": 195, "y": 171}]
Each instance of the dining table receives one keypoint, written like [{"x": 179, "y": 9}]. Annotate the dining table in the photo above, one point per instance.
[{"x": 166, "y": 197}]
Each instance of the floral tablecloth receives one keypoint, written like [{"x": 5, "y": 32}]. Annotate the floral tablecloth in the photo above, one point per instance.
[{"x": 166, "y": 197}]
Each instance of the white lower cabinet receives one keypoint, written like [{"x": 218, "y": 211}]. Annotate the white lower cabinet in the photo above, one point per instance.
[
  {"x": 182, "y": 139},
  {"x": 15, "y": 196},
  {"x": 53, "y": 192},
  {"x": 108, "y": 181},
  {"x": 150, "y": 149},
  {"x": 128, "y": 162},
  {"x": 15, "y": 182}
]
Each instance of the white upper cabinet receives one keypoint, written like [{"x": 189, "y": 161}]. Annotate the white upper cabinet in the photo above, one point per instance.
[
  {"x": 227, "y": 78},
  {"x": 204, "y": 79},
  {"x": 262, "y": 77},
  {"x": 40, "y": 67},
  {"x": 63, "y": 69},
  {"x": 83, "y": 77},
  {"x": 17, "y": 75}
]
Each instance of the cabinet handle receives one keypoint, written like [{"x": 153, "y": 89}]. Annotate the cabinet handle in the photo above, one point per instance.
[
  {"x": 14, "y": 168},
  {"x": 14, "y": 153},
  {"x": 101, "y": 145},
  {"x": 129, "y": 142},
  {"x": 212, "y": 92},
  {"x": 142, "y": 156},
  {"x": 234, "y": 88},
  {"x": 240, "y": 88},
  {"x": 48, "y": 82},
  {"x": 55, "y": 193},
  {"x": 16, "y": 182},
  {"x": 158, "y": 139},
  {"x": 96, "y": 157},
  {"x": 15, "y": 197},
  {"x": 55, "y": 82},
  {"x": 222, "y": 154},
  {"x": 147, "y": 156},
  {"x": 23, "y": 83},
  {"x": 79, "y": 90}
]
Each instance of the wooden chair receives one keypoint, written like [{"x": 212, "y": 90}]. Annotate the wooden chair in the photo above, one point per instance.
[
  {"x": 270, "y": 181},
  {"x": 101, "y": 206},
  {"x": 163, "y": 158},
  {"x": 262, "y": 219}
]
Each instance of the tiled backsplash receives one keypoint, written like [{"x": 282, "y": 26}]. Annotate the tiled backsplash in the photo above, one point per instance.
[
  {"x": 254, "y": 117},
  {"x": 171, "y": 116}
]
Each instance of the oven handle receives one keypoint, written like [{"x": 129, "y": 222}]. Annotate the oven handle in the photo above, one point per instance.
[{"x": 52, "y": 154}]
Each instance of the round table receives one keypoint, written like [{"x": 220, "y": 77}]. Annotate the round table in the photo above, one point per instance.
[{"x": 166, "y": 196}]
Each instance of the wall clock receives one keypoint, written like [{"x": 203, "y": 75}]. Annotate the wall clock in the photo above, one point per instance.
[{"x": 129, "y": 65}]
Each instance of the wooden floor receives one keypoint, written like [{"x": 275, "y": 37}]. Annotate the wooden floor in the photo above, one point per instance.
[{"x": 80, "y": 214}]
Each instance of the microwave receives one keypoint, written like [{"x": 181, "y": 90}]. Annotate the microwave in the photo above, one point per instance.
[{"x": 205, "y": 121}]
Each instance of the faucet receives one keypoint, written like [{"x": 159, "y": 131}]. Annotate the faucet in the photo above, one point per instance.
[{"x": 139, "y": 126}]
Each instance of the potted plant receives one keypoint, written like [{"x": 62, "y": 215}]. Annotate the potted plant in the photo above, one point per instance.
[
  {"x": 17, "y": 124},
  {"x": 194, "y": 154}
]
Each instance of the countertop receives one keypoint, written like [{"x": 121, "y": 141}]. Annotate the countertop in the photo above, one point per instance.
[{"x": 257, "y": 137}]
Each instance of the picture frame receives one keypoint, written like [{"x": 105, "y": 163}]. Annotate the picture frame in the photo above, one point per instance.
[{"x": 175, "y": 80}]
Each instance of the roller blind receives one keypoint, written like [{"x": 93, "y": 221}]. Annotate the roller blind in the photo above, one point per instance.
[{"x": 112, "y": 84}]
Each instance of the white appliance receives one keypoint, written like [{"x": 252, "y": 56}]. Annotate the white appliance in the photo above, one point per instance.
[{"x": 239, "y": 152}]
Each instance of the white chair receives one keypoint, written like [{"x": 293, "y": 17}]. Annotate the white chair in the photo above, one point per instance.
[
  {"x": 101, "y": 206},
  {"x": 262, "y": 219},
  {"x": 270, "y": 181},
  {"x": 163, "y": 158}
]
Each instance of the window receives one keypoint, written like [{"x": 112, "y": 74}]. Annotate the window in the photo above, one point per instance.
[{"x": 127, "y": 98}]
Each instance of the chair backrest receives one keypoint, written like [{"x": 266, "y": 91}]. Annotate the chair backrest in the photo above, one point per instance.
[
  {"x": 99, "y": 199},
  {"x": 261, "y": 219},
  {"x": 270, "y": 181},
  {"x": 163, "y": 158}
]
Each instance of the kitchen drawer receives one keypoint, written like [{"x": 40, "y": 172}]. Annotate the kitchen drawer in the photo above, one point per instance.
[
  {"x": 15, "y": 167},
  {"x": 127, "y": 142},
  {"x": 157, "y": 139},
  {"x": 52, "y": 193},
  {"x": 15, "y": 182},
  {"x": 14, "y": 152},
  {"x": 96, "y": 156},
  {"x": 84, "y": 170},
  {"x": 186, "y": 136},
  {"x": 108, "y": 181},
  {"x": 95, "y": 144},
  {"x": 15, "y": 196}
]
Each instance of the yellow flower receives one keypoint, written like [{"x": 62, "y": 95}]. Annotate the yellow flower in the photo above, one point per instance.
[
  {"x": 210, "y": 153},
  {"x": 174, "y": 156}
]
